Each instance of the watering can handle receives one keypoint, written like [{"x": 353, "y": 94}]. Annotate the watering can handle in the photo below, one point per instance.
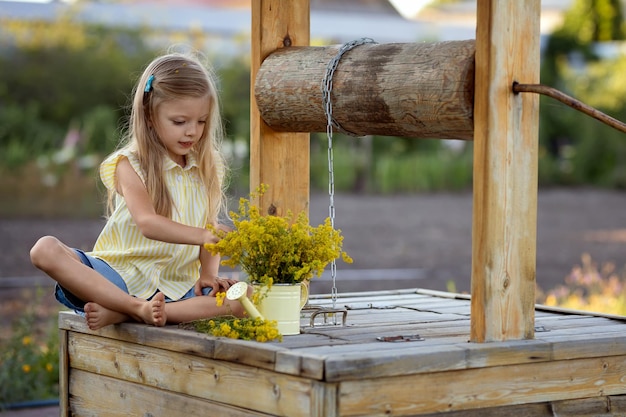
[{"x": 304, "y": 294}]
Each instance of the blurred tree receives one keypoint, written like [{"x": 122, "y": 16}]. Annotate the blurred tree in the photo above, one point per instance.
[
  {"x": 234, "y": 75},
  {"x": 587, "y": 22},
  {"x": 69, "y": 71},
  {"x": 594, "y": 21},
  {"x": 583, "y": 150},
  {"x": 68, "y": 68}
]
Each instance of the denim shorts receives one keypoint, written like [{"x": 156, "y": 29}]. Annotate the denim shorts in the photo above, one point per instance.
[{"x": 71, "y": 301}]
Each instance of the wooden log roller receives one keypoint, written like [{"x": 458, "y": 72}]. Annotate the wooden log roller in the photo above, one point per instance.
[{"x": 422, "y": 90}]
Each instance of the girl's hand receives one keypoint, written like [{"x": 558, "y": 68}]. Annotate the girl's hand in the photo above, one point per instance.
[
  {"x": 212, "y": 237},
  {"x": 218, "y": 284}
]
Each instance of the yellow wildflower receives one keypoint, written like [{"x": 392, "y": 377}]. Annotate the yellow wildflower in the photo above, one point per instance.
[
  {"x": 27, "y": 340},
  {"x": 551, "y": 300},
  {"x": 219, "y": 298},
  {"x": 240, "y": 328},
  {"x": 225, "y": 328},
  {"x": 26, "y": 368}
]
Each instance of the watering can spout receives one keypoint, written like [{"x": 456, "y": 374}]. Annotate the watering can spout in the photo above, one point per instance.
[{"x": 239, "y": 292}]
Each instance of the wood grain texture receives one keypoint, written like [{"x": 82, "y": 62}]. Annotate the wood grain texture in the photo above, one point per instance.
[
  {"x": 505, "y": 171},
  {"x": 64, "y": 378},
  {"x": 98, "y": 395},
  {"x": 338, "y": 371},
  {"x": 216, "y": 381},
  {"x": 169, "y": 338},
  {"x": 609, "y": 406},
  {"x": 278, "y": 159},
  {"x": 421, "y": 90},
  {"x": 483, "y": 387}
]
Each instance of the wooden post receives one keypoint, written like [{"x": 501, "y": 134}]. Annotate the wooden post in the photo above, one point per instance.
[
  {"x": 280, "y": 160},
  {"x": 420, "y": 90},
  {"x": 505, "y": 171}
]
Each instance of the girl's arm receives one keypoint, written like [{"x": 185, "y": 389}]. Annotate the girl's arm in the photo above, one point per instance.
[
  {"x": 150, "y": 224},
  {"x": 208, "y": 274}
]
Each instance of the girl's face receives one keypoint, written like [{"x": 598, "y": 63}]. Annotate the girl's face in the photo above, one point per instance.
[{"x": 180, "y": 124}]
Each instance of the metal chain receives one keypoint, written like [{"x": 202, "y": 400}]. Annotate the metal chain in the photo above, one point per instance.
[{"x": 327, "y": 88}]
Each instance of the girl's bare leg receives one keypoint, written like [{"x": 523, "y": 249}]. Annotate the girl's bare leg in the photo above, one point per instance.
[
  {"x": 104, "y": 298},
  {"x": 201, "y": 307}
]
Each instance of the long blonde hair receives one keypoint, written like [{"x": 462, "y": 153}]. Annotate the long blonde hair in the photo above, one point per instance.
[{"x": 176, "y": 76}]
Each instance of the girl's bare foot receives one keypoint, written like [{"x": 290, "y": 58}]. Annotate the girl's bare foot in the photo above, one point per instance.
[
  {"x": 150, "y": 312},
  {"x": 98, "y": 316},
  {"x": 153, "y": 311}
]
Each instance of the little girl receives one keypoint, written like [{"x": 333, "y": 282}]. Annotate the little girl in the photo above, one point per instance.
[{"x": 165, "y": 184}]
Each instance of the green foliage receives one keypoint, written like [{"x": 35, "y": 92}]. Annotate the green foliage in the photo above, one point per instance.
[
  {"x": 23, "y": 134},
  {"x": 234, "y": 75},
  {"x": 582, "y": 152},
  {"x": 54, "y": 75},
  {"x": 67, "y": 80},
  {"x": 594, "y": 21},
  {"x": 29, "y": 361},
  {"x": 392, "y": 165},
  {"x": 99, "y": 130},
  {"x": 80, "y": 76},
  {"x": 62, "y": 75},
  {"x": 601, "y": 84},
  {"x": 576, "y": 149},
  {"x": 419, "y": 172},
  {"x": 349, "y": 163}
]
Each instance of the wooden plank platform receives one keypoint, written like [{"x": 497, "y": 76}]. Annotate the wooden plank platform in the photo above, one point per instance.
[{"x": 575, "y": 366}]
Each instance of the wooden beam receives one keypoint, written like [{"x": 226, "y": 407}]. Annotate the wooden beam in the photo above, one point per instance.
[
  {"x": 421, "y": 90},
  {"x": 280, "y": 160},
  {"x": 505, "y": 171}
]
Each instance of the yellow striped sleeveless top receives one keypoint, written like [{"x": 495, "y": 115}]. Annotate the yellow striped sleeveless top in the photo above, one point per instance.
[{"x": 148, "y": 265}]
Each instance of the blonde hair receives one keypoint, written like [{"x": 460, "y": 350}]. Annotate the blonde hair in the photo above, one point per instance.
[{"x": 176, "y": 76}]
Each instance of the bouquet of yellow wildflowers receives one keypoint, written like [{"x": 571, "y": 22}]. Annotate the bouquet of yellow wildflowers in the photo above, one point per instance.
[{"x": 273, "y": 249}]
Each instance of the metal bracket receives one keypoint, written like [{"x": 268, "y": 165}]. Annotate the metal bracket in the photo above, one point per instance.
[{"x": 327, "y": 313}]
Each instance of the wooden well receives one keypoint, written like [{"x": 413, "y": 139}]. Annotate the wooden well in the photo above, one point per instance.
[
  {"x": 494, "y": 354},
  {"x": 575, "y": 366}
]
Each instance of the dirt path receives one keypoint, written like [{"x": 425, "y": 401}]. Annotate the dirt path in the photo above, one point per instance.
[
  {"x": 419, "y": 240},
  {"x": 432, "y": 233}
]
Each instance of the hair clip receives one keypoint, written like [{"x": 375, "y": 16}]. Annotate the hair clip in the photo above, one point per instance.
[{"x": 149, "y": 84}]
